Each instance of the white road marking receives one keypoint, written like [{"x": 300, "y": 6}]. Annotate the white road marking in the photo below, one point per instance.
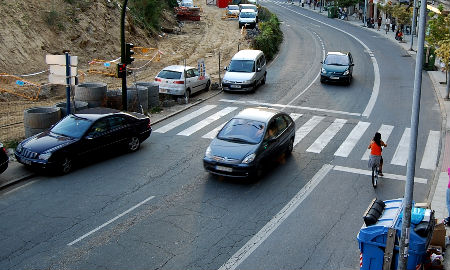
[
  {"x": 326, "y": 136},
  {"x": 295, "y": 116},
  {"x": 306, "y": 128},
  {"x": 17, "y": 188},
  {"x": 110, "y": 221},
  {"x": 430, "y": 154},
  {"x": 184, "y": 119},
  {"x": 401, "y": 153},
  {"x": 207, "y": 121},
  {"x": 213, "y": 133},
  {"x": 258, "y": 103},
  {"x": 385, "y": 131},
  {"x": 386, "y": 175},
  {"x": 354, "y": 136},
  {"x": 273, "y": 224},
  {"x": 376, "y": 69}
]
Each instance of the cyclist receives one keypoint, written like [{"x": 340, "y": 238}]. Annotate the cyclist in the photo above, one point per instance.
[{"x": 375, "y": 152}]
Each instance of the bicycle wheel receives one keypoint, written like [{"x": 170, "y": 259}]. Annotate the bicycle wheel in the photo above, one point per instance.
[{"x": 374, "y": 176}]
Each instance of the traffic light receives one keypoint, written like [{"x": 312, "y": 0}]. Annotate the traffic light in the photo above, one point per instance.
[
  {"x": 128, "y": 53},
  {"x": 121, "y": 70}
]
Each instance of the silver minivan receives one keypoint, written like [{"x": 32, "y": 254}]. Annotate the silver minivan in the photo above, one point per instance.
[{"x": 246, "y": 71}]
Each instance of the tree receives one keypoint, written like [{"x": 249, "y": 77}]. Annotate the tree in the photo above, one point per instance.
[
  {"x": 403, "y": 14},
  {"x": 347, "y": 3},
  {"x": 387, "y": 8},
  {"x": 438, "y": 27},
  {"x": 443, "y": 50}
]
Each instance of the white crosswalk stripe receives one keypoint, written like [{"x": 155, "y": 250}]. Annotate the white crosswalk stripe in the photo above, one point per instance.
[
  {"x": 326, "y": 136},
  {"x": 213, "y": 133},
  {"x": 385, "y": 131},
  {"x": 430, "y": 155},
  {"x": 207, "y": 121},
  {"x": 295, "y": 116},
  {"x": 306, "y": 128},
  {"x": 354, "y": 136},
  {"x": 401, "y": 153},
  {"x": 184, "y": 119}
]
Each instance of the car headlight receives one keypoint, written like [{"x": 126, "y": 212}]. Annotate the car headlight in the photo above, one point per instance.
[
  {"x": 208, "y": 152},
  {"x": 19, "y": 148},
  {"x": 346, "y": 72},
  {"x": 249, "y": 158},
  {"x": 45, "y": 156},
  {"x": 225, "y": 81},
  {"x": 323, "y": 70},
  {"x": 247, "y": 82}
]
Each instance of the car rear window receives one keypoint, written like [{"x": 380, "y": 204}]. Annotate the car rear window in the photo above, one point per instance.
[
  {"x": 72, "y": 126},
  {"x": 248, "y": 14},
  {"x": 169, "y": 74},
  {"x": 242, "y": 66},
  {"x": 242, "y": 130},
  {"x": 233, "y": 7},
  {"x": 333, "y": 59}
]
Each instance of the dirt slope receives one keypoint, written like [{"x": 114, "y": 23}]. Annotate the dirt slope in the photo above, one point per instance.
[{"x": 33, "y": 28}]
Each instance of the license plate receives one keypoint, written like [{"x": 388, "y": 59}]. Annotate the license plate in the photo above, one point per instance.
[
  {"x": 235, "y": 86},
  {"x": 225, "y": 169},
  {"x": 334, "y": 78},
  {"x": 163, "y": 91}
]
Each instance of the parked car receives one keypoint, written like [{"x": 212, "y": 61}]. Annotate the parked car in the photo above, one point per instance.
[
  {"x": 254, "y": 2},
  {"x": 179, "y": 80},
  {"x": 246, "y": 71},
  {"x": 79, "y": 136},
  {"x": 233, "y": 10},
  {"x": 249, "y": 141},
  {"x": 4, "y": 158},
  {"x": 187, "y": 3},
  {"x": 337, "y": 66},
  {"x": 248, "y": 18},
  {"x": 249, "y": 6}
]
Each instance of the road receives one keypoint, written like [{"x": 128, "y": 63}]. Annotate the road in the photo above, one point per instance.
[{"x": 158, "y": 209}]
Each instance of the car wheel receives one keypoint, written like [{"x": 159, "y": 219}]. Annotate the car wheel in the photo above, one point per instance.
[
  {"x": 66, "y": 165},
  {"x": 290, "y": 146},
  {"x": 264, "y": 79},
  {"x": 133, "y": 144},
  {"x": 322, "y": 80},
  {"x": 208, "y": 85},
  {"x": 187, "y": 95}
]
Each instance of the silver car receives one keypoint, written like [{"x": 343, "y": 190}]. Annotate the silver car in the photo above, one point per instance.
[{"x": 179, "y": 80}]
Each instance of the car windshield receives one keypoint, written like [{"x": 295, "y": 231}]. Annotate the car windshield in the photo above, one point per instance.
[
  {"x": 338, "y": 60},
  {"x": 233, "y": 8},
  {"x": 242, "y": 131},
  {"x": 169, "y": 74},
  {"x": 72, "y": 126},
  {"x": 242, "y": 66},
  {"x": 248, "y": 15}
]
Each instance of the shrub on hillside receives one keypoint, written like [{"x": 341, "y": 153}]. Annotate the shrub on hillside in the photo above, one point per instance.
[
  {"x": 147, "y": 13},
  {"x": 270, "y": 38}
]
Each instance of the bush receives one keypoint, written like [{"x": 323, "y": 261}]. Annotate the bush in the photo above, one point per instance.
[
  {"x": 147, "y": 13},
  {"x": 270, "y": 38}
]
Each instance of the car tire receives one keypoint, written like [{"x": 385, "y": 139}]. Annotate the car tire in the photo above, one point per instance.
[
  {"x": 3, "y": 167},
  {"x": 264, "y": 79},
  {"x": 208, "y": 85},
  {"x": 66, "y": 165},
  {"x": 187, "y": 95},
  {"x": 133, "y": 144},
  {"x": 322, "y": 80}
]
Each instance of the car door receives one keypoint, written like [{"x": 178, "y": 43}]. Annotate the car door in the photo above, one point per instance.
[
  {"x": 190, "y": 80},
  {"x": 199, "y": 83},
  {"x": 350, "y": 63},
  {"x": 98, "y": 138},
  {"x": 283, "y": 136},
  {"x": 270, "y": 142},
  {"x": 119, "y": 130}
]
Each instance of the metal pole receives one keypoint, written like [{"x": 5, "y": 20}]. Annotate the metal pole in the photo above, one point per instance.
[
  {"x": 68, "y": 82},
  {"x": 413, "y": 27},
  {"x": 123, "y": 56},
  {"x": 220, "y": 80},
  {"x": 365, "y": 13},
  {"x": 411, "y": 165},
  {"x": 448, "y": 83}
]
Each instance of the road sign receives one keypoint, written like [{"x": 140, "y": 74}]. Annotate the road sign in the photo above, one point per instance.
[
  {"x": 60, "y": 79},
  {"x": 201, "y": 68},
  {"x": 61, "y": 70},
  {"x": 60, "y": 60}
]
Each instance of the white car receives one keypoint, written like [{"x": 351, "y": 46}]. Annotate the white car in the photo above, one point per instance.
[
  {"x": 248, "y": 18},
  {"x": 249, "y": 6},
  {"x": 179, "y": 80},
  {"x": 233, "y": 10},
  {"x": 254, "y": 2}
]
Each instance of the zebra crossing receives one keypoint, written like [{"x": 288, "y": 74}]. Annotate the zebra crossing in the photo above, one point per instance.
[{"x": 195, "y": 122}]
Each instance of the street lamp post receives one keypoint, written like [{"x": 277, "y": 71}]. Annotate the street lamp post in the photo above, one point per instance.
[
  {"x": 365, "y": 13},
  {"x": 413, "y": 25},
  {"x": 123, "y": 56}
]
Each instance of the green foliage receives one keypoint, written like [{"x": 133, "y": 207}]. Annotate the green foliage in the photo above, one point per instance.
[
  {"x": 347, "y": 3},
  {"x": 156, "y": 109},
  {"x": 438, "y": 27},
  {"x": 387, "y": 8},
  {"x": 263, "y": 14},
  {"x": 11, "y": 144},
  {"x": 146, "y": 13},
  {"x": 51, "y": 17},
  {"x": 270, "y": 38},
  {"x": 402, "y": 13}
]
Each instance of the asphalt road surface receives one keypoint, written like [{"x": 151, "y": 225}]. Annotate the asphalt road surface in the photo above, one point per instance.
[{"x": 158, "y": 209}]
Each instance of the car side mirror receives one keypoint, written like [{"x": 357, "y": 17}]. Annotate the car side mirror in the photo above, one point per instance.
[
  {"x": 225, "y": 68},
  {"x": 352, "y": 65},
  {"x": 321, "y": 62}
]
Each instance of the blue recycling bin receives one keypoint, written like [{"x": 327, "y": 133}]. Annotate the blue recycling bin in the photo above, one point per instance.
[{"x": 372, "y": 239}]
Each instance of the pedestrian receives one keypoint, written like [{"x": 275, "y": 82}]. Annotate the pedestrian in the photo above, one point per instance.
[
  {"x": 400, "y": 35},
  {"x": 360, "y": 14},
  {"x": 393, "y": 24},
  {"x": 447, "y": 219},
  {"x": 379, "y": 20},
  {"x": 388, "y": 24}
]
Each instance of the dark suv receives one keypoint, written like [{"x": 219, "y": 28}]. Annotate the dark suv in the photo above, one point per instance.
[
  {"x": 337, "y": 66},
  {"x": 4, "y": 159}
]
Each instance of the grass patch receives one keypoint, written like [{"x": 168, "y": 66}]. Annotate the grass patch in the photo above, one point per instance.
[{"x": 156, "y": 109}]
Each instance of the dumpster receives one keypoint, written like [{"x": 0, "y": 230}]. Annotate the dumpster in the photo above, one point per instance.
[
  {"x": 332, "y": 12},
  {"x": 429, "y": 56},
  {"x": 379, "y": 242}
]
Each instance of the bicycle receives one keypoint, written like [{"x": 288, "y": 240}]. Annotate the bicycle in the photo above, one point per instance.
[{"x": 375, "y": 174}]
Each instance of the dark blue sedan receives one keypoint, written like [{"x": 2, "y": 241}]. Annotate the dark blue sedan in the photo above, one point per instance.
[
  {"x": 337, "y": 67},
  {"x": 79, "y": 136},
  {"x": 248, "y": 141}
]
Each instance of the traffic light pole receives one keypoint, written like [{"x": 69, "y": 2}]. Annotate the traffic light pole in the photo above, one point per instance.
[
  {"x": 411, "y": 165},
  {"x": 123, "y": 56}
]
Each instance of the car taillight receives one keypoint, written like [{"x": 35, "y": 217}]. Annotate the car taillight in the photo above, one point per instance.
[
  {"x": 178, "y": 82},
  {"x": 4, "y": 150},
  {"x": 148, "y": 124},
  {"x": 158, "y": 80}
]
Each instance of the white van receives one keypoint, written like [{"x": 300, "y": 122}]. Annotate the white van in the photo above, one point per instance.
[
  {"x": 247, "y": 17},
  {"x": 245, "y": 72}
]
